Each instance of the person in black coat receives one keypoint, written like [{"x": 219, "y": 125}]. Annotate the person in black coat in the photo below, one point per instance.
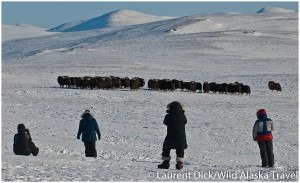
[
  {"x": 175, "y": 120},
  {"x": 23, "y": 144},
  {"x": 88, "y": 127}
]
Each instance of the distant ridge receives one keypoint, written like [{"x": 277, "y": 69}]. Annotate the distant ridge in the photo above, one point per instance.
[
  {"x": 113, "y": 19},
  {"x": 66, "y": 26},
  {"x": 274, "y": 10}
]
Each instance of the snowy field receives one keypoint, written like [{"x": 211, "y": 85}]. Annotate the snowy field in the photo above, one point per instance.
[{"x": 253, "y": 49}]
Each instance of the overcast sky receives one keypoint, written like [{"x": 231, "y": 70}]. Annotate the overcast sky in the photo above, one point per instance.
[{"x": 52, "y": 14}]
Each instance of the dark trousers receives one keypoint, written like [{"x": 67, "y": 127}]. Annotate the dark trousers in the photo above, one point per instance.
[
  {"x": 31, "y": 149},
  {"x": 90, "y": 149},
  {"x": 179, "y": 153},
  {"x": 266, "y": 153}
]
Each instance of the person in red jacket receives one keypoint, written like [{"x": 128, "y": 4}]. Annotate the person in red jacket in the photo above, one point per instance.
[{"x": 262, "y": 133}]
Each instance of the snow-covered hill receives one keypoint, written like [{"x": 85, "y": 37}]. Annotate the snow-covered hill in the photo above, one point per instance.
[
  {"x": 275, "y": 10},
  {"x": 253, "y": 49},
  {"x": 66, "y": 26},
  {"x": 113, "y": 19},
  {"x": 22, "y": 31},
  {"x": 236, "y": 25}
]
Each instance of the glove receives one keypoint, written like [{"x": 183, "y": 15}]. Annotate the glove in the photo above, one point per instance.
[
  {"x": 78, "y": 137},
  {"x": 26, "y": 130}
]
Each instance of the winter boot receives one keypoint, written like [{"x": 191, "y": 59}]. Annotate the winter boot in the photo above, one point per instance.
[
  {"x": 179, "y": 164},
  {"x": 36, "y": 152},
  {"x": 165, "y": 164}
]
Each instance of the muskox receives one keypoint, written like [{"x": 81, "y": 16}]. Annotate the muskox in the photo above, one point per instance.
[
  {"x": 192, "y": 86},
  {"x": 246, "y": 89},
  {"x": 125, "y": 82},
  {"x": 177, "y": 83},
  {"x": 136, "y": 83},
  {"x": 86, "y": 82},
  {"x": 235, "y": 87},
  {"x": 103, "y": 82},
  {"x": 206, "y": 87},
  {"x": 223, "y": 88},
  {"x": 116, "y": 82},
  {"x": 274, "y": 86},
  {"x": 199, "y": 86},
  {"x": 153, "y": 84},
  {"x": 62, "y": 81},
  {"x": 214, "y": 87},
  {"x": 167, "y": 84},
  {"x": 150, "y": 84}
]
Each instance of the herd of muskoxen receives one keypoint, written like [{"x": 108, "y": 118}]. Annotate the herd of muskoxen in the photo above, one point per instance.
[
  {"x": 135, "y": 83},
  {"x": 111, "y": 82},
  {"x": 192, "y": 86}
]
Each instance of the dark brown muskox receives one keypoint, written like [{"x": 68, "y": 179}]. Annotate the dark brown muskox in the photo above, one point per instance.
[
  {"x": 167, "y": 84},
  {"x": 153, "y": 84},
  {"x": 116, "y": 82},
  {"x": 206, "y": 87},
  {"x": 86, "y": 82},
  {"x": 192, "y": 86},
  {"x": 214, "y": 87},
  {"x": 150, "y": 84},
  {"x": 274, "y": 86},
  {"x": 199, "y": 87},
  {"x": 72, "y": 82},
  {"x": 135, "y": 83},
  {"x": 246, "y": 89},
  {"x": 235, "y": 88},
  {"x": 101, "y": 83},
  {"x": 185, "y": 86},
  {"x": 177, "y": 83},
  {"x": 125, "y": 82},
  {"x": 62, "y": 81}
]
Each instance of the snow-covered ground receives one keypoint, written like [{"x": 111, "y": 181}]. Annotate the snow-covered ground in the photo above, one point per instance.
[{"x": 253, "y": 49}]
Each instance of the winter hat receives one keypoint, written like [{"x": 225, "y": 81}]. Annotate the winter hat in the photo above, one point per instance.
[
  {"x": 21, "y": 128},
  {"x": 261, "y": 111},
  {"x": 86, "y": 112}
]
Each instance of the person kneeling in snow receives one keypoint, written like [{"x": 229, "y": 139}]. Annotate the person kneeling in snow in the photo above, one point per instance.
[
  {"x": 88, "y": 127},
  {"x": 23, "y": 144},
  {"x": 262, "y": 133},
  {"x": 175, "y": 121}
]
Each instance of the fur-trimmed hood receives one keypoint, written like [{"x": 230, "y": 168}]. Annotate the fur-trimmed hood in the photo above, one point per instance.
[
  {"x": 174, "y": 107},
  {"x": 86, "y": 114}
]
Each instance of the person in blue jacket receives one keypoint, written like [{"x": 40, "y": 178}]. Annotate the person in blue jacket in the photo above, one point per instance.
[{"x": 88, "y": 127}]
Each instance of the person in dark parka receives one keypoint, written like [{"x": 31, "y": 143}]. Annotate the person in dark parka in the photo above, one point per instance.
[
  {"x": 175, "y": 120},
  {"x": 23, "y": 144},
  {"x": 88, "y": 127}
]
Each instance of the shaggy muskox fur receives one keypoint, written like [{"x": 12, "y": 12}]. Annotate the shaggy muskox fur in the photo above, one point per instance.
[
  {"x": 206, "y": 87},
  {"x": 274, "y": 86}
]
